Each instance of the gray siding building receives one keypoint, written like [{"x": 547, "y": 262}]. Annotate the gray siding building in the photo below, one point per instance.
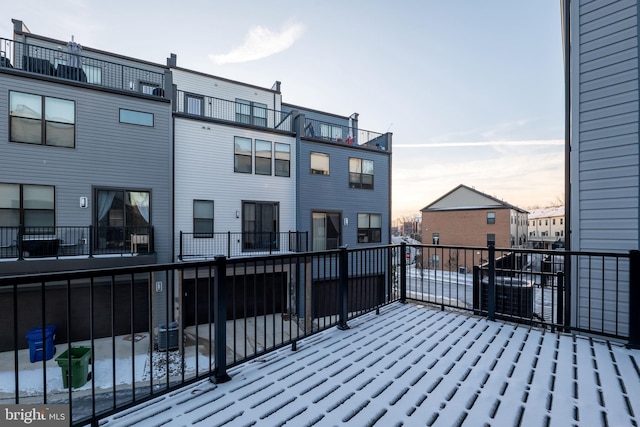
[
  {"x": 343, "y": 181},
  {"x": 604, "y": 161}
]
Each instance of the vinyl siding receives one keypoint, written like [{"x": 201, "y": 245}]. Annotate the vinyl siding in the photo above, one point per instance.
[
  {"x": 107, "y": 154},
  {"x": 204, "y": 169},
  {"x": 605, "y": 156},
  {"x": 319, "y": 193}
]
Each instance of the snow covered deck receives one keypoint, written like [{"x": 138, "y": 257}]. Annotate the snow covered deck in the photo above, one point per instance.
[{"x": 414, "y": 365}]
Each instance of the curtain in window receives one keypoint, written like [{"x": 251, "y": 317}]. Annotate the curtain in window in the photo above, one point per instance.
[
  {"x": 141, "y": 201},
  {"x": 105, "y": 199}
]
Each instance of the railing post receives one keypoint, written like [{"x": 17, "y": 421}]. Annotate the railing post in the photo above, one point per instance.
[
  {"x": 403, "y": 273},
  {"x": 343, "y": 284},
  {"x": 559, "y": 297},
  {"x": 19, "y": 242},
  {"x": 91, "y": 240},
  {"x": 180, "y": 247},
  {"x": 229, "y": 243},
  {"x": 220, "y": 321},
  {"x": 634, "y": 299},
  {"x": 477, "y": 292},
  {"x": 491, "y": 291}
]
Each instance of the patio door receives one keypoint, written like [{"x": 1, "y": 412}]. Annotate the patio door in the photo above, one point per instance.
[{"x": 326, "y": 230}]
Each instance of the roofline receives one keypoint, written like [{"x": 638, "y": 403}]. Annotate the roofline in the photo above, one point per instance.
[
  {"x": 188, "y": 70},
  {"x": 501, "y": 202},
  {"x": 294, "y": 106}
]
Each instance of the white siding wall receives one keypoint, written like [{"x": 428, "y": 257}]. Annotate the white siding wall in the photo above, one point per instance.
[
  {"x": 204, "y": 165},
  {"x": 223, "y": 89},
  {"x": 605, "y": 161}
]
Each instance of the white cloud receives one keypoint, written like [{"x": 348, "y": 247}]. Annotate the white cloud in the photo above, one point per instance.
[{"x": 260, "y": 43}]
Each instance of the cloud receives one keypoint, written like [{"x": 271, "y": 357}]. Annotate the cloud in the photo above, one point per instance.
[
  {"x": 482, "y": 144},
  {"x": 260, "y": 43}
]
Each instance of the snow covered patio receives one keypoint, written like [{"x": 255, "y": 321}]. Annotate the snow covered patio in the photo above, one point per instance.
[{"x": 416, "y": 365}]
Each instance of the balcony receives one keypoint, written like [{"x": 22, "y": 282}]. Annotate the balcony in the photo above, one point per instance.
[
  {"x": 64, "y": 65},
  {"x": 331, "y": 132},
  {"x": 209, "y": 107},
  {"x": 64, "y": 242},
  {"x": 194, "y": 246},
  {"x": 362, "y": 336}
]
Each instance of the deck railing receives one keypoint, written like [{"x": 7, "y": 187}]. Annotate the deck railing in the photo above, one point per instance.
[
  {"x": 68, "y": 241},
  {"x": 64, "y": 64},
  {"x": 233, "y": 244},
  {"x": 147, "y": 330},
  {"x": 231, "y": 111},
  {"x": 328, "y": 131}
]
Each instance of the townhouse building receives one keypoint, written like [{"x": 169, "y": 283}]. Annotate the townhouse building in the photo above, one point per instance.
[
  {"x": 603, "y": 150},
  {"x": 85, "y": 182},
  {"x": 546, "y": 227}
]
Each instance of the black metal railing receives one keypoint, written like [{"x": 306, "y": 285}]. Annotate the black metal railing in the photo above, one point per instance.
[
  {"x": 139, "y": 332},
  {"x": 68, "y": 241},
  {"x": 232, "y": 111},
  {"x": 327, "y": 131},
  {"x": 68, "y": 65},
  {"x": 234, "y": 244}
]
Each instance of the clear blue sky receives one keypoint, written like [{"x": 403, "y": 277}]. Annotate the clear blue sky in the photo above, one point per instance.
[{"x": 472, "y": 90}]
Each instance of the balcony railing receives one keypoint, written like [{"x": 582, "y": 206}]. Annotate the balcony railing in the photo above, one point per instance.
[
  {"x": 231, "y": 111},
  {"x": 327, "y": 131},
  {"x": 235, "y": 244},
  {"x": 234, "y": 310},
  {"x": 58, "y": 242},
  {"x": 74, "y": 66}
]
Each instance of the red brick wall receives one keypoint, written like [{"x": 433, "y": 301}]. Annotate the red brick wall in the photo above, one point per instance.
[{"x": 466, "y": 227}]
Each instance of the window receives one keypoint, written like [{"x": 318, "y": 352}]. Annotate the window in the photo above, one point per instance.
[
  {"x": 491, "y": 239},
  {"x": 561, "y": 219},
  {"x": 369, "y": 228},
  {"x": 553, "y": 221},
  {"x": 436, "y": 238},
  {"x": 242, "y": 156},
  {"x": 539, "y": 222},
  {"x": 283, "y": 159},
  {"x": 202, "y": 218},
  {"x": 263, "y": 157},
  {"x": 328, "y": 131},
  {"x": 260, "y": 225},
  {"x": 194, "y": 104},
  {"x": 147, "y": 88},
  {"x": 93, "y": 73},
  {"x": 325, "y": 230},
  {"x": 360, "y": 173},
  {"x": 320, "y": 163},
  {"x": 27, "y": 112},
  {"x": 253, "y": 113},
  {"x": 119, "y": 214},
  {"x": 136, "y": 117},
  {"x": 30, "y": 205},
  {"x": 491, "y": 217},
  {"x": 546, "y": 222}
]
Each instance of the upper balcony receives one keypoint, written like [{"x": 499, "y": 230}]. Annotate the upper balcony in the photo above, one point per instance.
[
  {"x": 332, "y": 132},
  {"x": 243, "y": 113},
  {"x": 71, "y": 64}
]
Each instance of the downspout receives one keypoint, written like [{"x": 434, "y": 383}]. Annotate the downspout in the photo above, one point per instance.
[{"x": 566, "y": 37}]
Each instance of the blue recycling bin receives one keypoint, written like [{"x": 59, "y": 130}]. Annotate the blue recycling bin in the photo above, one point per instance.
[{"x": 39, "y": 350}]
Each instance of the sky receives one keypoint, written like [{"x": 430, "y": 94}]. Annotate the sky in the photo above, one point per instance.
[{"x": 471, "y": 90}]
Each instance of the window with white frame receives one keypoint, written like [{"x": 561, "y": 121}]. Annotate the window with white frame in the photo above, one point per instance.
[
  {"x": 194, "y": 104},
  {"x": 326, "y": 230},
  {"x": 491, "y": 217},
  {"x": 45, "y": 120},
  {"x": 319, "y": 163}
]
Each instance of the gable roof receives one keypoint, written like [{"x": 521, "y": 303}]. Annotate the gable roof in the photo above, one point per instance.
[{"x": 465, "y": 198}]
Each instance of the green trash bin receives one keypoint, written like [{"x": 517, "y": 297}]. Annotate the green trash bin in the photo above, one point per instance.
[{"x": 79, "y": 369}]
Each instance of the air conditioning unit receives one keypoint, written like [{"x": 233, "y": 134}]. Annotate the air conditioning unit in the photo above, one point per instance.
[
  {"x": 513, "y": 297},
  {"x": 462, "y": 270},
  {"x": 168, "y": 336}
]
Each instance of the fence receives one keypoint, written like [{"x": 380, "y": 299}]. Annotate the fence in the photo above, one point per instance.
[
  {"x": 234, "y": 244},
  {"x": 148, "y": 330},
  {"x": 74, "y": 66},
  {"x": 66, "y": 241}
]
